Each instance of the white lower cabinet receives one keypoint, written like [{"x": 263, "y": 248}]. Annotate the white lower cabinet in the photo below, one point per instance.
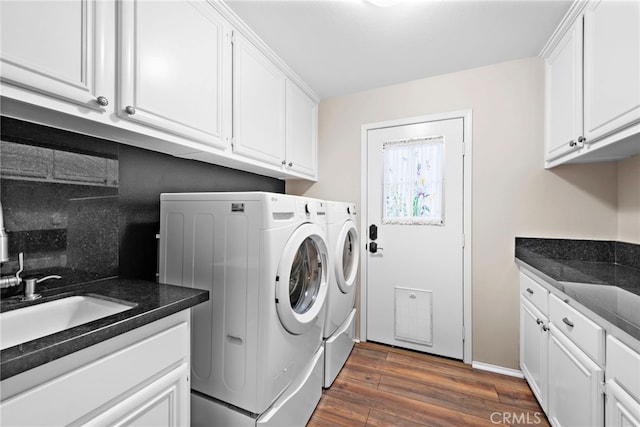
[
  {"x": 533, "y": 349},
  {"x": 575, "y": 384},
  {"x": 622, "y": 409},
  {"x": 579, "y": 377},
  {"x": 623, "y": 384},
  {"x": 138, "y": 378}
]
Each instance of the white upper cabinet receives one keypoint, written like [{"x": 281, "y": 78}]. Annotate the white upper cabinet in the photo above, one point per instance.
[
  {"x": 563, "y": 95},
  {"x": 611, "y": 66},
  {"x": 592, "y": 88},
  {"x": 52, "y": 48},
  {"x": 258, "y": 104},
  {"x": 175, "y": 68},
  {"x": 302, "y": 131},
  {"x": 275, "y": 121},
  {"x": 160, "y": 75}
]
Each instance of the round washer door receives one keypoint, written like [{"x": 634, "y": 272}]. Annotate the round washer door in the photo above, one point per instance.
[
  {"x": 301, "y": 289},
  {"x": 347, "y": 257}
]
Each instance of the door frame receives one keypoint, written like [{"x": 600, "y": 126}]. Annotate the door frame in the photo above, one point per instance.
[{"x": 466, "y": 115}]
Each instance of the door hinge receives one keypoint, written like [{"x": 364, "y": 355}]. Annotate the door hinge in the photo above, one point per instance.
[
  {"x": 232, "y": 36},
  {"x": 463, "y": 333},
  {"x": 464, "y": 148},
  {"x": 233, "y": 142},
  {"x": 463, "y": 240},
  {"x": 603, "y": 389}
]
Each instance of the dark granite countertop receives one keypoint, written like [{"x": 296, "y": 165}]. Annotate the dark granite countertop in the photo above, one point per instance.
[
  {"x": 602, "y": 276},
  {"x": 152, "y": 301}
]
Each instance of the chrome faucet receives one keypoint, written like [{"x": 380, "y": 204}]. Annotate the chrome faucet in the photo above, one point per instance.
[{"x": 14, "y": 280}]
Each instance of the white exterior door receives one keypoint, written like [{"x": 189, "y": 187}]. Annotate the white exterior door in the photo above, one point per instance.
[{"x": 414, "y": 217}]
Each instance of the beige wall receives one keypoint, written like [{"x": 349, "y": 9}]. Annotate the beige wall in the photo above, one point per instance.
[
  {"x": 629, "y": 200},
  {"x": 513, "y": 195}
]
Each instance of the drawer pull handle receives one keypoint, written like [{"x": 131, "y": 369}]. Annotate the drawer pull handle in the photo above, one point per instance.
[
  {"x": 567, "y": 322},
  {"x": 530, "y": 291}
]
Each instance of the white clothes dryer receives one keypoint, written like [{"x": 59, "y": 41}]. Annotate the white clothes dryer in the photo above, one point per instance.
[
  {"x": 344, "y": 258},
  {"x": 256, "y": 344}
]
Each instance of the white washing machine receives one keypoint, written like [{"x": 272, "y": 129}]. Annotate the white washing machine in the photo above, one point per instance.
[
  {"x": 344, "y": 258},
  {"x": 257, "y": 343}
]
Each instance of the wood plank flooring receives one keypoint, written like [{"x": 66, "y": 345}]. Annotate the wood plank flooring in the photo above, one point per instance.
[{"x": 392, "y": 387}]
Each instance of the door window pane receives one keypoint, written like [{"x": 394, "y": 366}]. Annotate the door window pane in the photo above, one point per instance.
[{"x": 413, "y": 187}]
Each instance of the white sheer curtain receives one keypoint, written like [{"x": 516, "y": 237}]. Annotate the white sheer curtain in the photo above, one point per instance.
[{"x": 413, "y": 187}]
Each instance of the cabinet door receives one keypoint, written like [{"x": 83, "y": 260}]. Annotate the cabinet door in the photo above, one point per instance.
[
  {"x": 302, "y": 131},
  {"x": 575, "y": 395},
  {"x": 259, "y": 108},
  {"x": 176, "y": 80},
  {"x": 533, "y": 350},
  {"x": 611, "y": 66},
  {"x": 563, "y": 95},
  {"x": 53, "y": 48},
  {"x": 163, "y": 403},
  {"x": 622, "y": 409}
]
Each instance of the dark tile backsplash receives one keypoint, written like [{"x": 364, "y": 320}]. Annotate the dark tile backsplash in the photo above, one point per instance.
[{"x": 89, "y": 207}]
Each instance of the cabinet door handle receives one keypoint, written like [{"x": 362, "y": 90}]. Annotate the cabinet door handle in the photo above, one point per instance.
[
  {"x": 572, "y": 143},
  {"x": 567, "y": 322},
  {"x": 582, "y": 139},
  {"x": 102, "y": 101},
  {"x": 530, "y": 291},
  {"x": 130, "y": 110}
]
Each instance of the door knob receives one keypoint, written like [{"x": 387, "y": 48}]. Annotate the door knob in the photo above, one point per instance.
[{"x": 374, "y": 248}]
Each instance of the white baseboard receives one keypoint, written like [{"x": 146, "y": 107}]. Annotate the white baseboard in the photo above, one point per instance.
[{"x": 497, "y": 369}]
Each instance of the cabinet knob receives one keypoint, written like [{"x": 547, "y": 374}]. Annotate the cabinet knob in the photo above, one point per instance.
[
  {"x": 539, "y": 322},
  {"x": 102, "y": 101},
  {"x": 290, "y": 164},
  {"x": 581, "y": 139},
  {"x": 545, "y": 328},
  {"x": 284, "y": 162},
  {"x": 130, "y": 109},
  {"x": 572, "y": 143}
]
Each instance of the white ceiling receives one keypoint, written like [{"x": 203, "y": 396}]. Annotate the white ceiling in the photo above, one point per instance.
[{"x": 344, "y": 46}]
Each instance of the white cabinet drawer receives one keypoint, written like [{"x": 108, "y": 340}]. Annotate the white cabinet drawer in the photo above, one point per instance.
[
  {"x": 623, "y": 365},
  {"x": 583, "y": 332},
  {"x": 534, "y": 293}
]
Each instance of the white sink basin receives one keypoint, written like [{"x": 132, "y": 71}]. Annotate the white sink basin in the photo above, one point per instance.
[{"x": 36, "y": 321}]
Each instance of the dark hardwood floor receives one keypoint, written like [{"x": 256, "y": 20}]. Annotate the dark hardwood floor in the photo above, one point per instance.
[{"x": 392, "y": 387}]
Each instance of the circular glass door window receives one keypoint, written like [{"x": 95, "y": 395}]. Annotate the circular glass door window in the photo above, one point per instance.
[
  {"x": 346, "y": 267},
  {"x": 305, "y": 277},
  {"x": 301, "y": 286}
]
